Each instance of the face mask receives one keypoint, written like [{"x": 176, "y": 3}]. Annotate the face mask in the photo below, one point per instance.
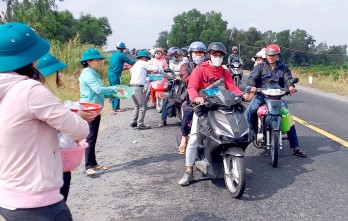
[
  {"x": 216, "y": 61},
  {"x": 198, "y": 59},
  {"x": 174, "y": 59}
]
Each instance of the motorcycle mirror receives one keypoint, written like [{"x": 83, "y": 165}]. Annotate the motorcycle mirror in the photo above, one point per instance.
[{"x": 294, "y": 80}]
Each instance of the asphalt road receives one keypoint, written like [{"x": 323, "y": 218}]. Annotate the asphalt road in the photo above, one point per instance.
[{"x": 142, "y": 182}]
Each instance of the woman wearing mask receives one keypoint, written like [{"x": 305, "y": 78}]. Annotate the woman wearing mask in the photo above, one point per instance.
[
  {"x": 197, "y": 55},
  {"x": 30, "y": 115}
]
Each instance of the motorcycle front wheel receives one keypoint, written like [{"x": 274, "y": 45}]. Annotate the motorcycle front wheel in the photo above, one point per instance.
[
  {"x": 237, "y": 80},
  {"x": 235, "y": 175},
  {"x": 179, "y": 112},
  {"x": 159, "y": 104},
  {"x": 275, "y": 147}
]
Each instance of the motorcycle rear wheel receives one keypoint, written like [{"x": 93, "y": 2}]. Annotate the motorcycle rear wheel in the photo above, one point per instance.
[
  {"x": 275, "y": 147},
  {"x": 159, "y": 104},
  {"x": 235, "y": 175}
]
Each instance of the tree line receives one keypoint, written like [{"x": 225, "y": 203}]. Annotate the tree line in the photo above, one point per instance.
[
  {"x": 298, "y": 47},
  {"x": 43, "y": 16}
]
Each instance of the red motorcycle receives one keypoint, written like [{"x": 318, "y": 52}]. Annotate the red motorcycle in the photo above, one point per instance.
[{"x": 159, "y": 89}]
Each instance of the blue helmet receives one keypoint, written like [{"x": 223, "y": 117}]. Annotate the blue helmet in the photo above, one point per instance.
[
  {"x": 197, "y": 46},
  {"x": 121, "y": 45}
]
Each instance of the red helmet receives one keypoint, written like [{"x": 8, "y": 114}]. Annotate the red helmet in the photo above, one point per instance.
[{"x": 273, "y": 49}]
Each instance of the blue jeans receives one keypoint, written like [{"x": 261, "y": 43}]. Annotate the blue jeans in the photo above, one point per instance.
[
  {"x": 115, "y": 80},
  {"x": 257, "y": 102},
  {"x": 57, "y": 211},
  {"x": 164, "y": 114}
]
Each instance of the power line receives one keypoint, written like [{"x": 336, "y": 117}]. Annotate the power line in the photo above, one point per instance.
[{"x": 296, "y": 50}]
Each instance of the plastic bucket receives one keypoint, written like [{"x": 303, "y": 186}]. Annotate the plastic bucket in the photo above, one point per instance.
[
  {"x": 89, "y": 107},
  {"x": 286, "y": 120},
  {"x": 128, "y": 92},
  {"x": 72, "y": 157}
]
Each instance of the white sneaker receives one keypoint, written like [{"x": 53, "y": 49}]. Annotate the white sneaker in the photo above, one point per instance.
[{"x": 186, "y": 179}]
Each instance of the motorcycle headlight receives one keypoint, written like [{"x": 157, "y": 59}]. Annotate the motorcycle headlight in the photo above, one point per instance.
[
  {"x": 273, "y": 92},
  {"x": 224, "y": 137}
]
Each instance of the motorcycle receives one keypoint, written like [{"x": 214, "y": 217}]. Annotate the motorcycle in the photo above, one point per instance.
[
  {"x": 178, "y": 95},
  {"x": 159, "y": 91},
  {"x": 236, "y": 71},
  {"x": 223, "y": 138},
  {"x": 269, "y": 133}
]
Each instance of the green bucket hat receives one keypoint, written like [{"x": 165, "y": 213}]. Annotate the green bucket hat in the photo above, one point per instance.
[
  {"x": 143, "y": 54},
  {"x": 49, "y": 64},
  {"x": 19, "y": 46},
  {"x": 90, "y": 54}
]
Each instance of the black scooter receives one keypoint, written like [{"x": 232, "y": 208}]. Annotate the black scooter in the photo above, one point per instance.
[{"x": 223, "y": 137}]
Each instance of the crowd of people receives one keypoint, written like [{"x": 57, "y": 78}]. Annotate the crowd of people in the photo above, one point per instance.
[{"x": 32, "y": 183}]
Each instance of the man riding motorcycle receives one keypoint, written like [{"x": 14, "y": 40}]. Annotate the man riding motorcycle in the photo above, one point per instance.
[
  {"x": 272, "y": 70},
  {"x": 234, "y": 56}
]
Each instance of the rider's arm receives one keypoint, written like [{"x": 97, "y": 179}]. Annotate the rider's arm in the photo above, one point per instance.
[
  {"x": 241, "y": 61},
  {"x": 229, "y": 83},
  {"x": 254, "y": 75},
  {"x": 287, "y": 77},
  {"x": 194, "y": 83},
  {"x": 229, "y": 59}
]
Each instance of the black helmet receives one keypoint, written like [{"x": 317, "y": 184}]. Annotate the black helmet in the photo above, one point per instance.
[{"x": 217, "y": 46}]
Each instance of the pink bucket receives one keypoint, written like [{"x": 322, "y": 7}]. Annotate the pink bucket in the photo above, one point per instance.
[{"x": 71, "y": 157}]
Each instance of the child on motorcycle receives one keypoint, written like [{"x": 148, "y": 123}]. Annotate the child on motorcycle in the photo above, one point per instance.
[
  {"x": 197, "y": 51},
  {"x": 261, "y": 75},
  {"x": 201, "y": 77}
]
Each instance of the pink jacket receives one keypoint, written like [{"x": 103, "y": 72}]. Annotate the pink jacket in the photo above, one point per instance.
[{"x": 30, "y": 158}]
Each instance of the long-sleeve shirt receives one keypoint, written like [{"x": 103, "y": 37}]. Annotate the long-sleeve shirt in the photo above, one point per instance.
[
  {"x": 262, "y": 74},
  {"x": 117, "y": 61},
  {"x": 30, "y": 158},
  {"x": 139, "y": 71},
  {"x": 204, "y": 75},
  {"x": 92, "y": 89}
]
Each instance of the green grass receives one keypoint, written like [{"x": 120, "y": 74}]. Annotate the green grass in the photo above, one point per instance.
[{"x": 70, "y": 54}]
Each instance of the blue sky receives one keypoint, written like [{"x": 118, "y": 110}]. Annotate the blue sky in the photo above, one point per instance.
[{"x": 138, "y": 22}]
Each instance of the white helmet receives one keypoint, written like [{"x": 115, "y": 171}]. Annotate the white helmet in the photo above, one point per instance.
[{"x": 152, "y": 51}]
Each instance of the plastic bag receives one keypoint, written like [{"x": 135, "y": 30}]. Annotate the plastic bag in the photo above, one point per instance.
[{"x": 65, "y": 141}]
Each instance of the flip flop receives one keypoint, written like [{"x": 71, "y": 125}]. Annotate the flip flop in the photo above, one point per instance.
[{"x": 120, "y": 110}]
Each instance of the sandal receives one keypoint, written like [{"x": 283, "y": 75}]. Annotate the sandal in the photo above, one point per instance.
[
  {"x": 120, "y": 110},
  {"x": 90, "y": 172},
  {"x": 100, "y": 167},
  {"x": 300, "y": 153}
]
